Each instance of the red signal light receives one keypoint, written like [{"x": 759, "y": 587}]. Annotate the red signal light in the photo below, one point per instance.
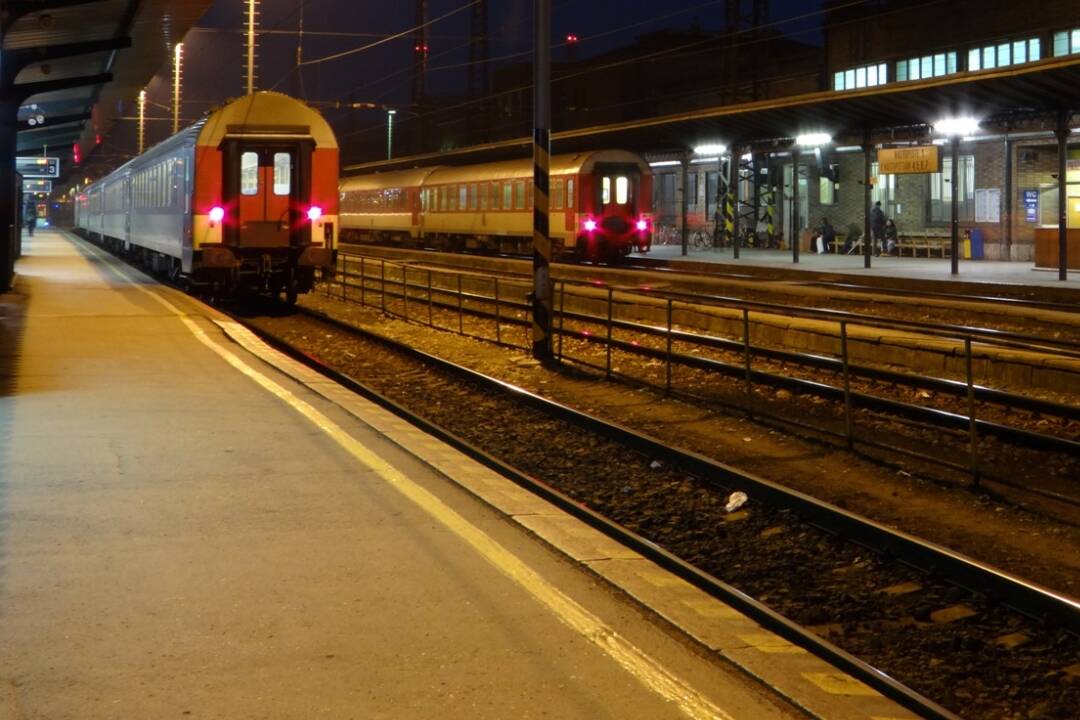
[{"x": 571, "y": 38}]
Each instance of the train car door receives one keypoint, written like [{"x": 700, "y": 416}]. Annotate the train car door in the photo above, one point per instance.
[{"x": 266, "y": 186}]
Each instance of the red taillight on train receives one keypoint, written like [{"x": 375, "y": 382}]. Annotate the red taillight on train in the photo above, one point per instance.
[
  {"x": 217, "y": 214},
  {"x": 589, "y": 225},
  {"x": 314, "y": 213},
  {"x": 642, "y": 225}
]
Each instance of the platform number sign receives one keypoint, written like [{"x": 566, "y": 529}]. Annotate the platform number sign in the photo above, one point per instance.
[
  {"x": 1031, "y": 206},
  {"x": 37, "y": 166}
]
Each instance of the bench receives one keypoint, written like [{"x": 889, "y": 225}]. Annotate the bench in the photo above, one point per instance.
[{"x": 940, "y": 244}]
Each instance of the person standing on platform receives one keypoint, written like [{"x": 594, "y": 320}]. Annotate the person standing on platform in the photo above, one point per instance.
[
  {"x": 824, "y": 237},
  {"x": 30, "y": 217},
  {"x": 877, "y": 228}
]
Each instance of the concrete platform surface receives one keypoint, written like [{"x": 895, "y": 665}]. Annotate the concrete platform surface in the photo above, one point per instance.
[
  {"x": 193, "y": 526},
  {"x": 987, "y": 272}
]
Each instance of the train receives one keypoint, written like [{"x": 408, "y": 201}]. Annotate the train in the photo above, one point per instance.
[
  {"x": 600, "y": 204},
  {"x": 244, "y": 200}
]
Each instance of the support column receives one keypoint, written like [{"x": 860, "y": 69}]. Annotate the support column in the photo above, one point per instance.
[
  {"x": 795, "y": 205},
  {"x": 868, "y": 186},
  {"x": 684, "y": 180},
  {"x": 9, "y": 201},
  {"x": 1010, "y": 199},
  {"x": 954, "y": 241},
  {"x": 733, "y": 193},
  {"x": 1062, "y": 132},
  {"x": 542, "y": 291}
]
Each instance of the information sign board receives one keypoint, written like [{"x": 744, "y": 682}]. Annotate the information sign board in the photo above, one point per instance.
[
  {"x": 37, "y": 166},
  {"x": 1031, "y": 206},
  {"x": 35, "y": 185},
  {"x": 908, "y": 160}
]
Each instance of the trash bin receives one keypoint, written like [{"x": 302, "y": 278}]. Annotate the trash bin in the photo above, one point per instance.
[{"x": 976, "y": 244}]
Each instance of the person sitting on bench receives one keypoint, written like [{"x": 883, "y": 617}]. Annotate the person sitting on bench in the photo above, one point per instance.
[{"x": 823, "y": 237}]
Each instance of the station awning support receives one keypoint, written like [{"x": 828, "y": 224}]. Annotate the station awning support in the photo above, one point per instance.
[
  {"x": 1062, "y": 133},
  {"x": 868, "y": 186},
  {"x": 795, "y": 204}
]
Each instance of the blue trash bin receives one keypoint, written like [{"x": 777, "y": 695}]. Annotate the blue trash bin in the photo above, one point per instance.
[{"x": 977, "y": 244}]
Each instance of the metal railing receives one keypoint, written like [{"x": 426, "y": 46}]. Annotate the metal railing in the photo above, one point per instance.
[{"x": 444, "y": 298}]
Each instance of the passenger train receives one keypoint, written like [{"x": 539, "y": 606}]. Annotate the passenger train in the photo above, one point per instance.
[
  {"x": 246, "y": 199},
  {"x": 600, "y": 203}
]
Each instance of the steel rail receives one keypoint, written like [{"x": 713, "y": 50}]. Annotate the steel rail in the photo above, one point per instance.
[{"x": 756, "y": 610}]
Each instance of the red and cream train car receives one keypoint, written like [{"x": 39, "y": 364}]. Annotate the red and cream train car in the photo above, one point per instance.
[
  {"x": 601, "y": 205},
  {"x": 244, "y": 199}
]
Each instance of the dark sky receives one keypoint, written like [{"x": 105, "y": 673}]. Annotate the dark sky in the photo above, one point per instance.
[{"x": 214, "y": 66}]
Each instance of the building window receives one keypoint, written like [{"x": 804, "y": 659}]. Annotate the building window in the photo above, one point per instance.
[
  {"x": 941, "y": 191},
  {"x": 691, "y": 192},
  {"x": 1004, "y": 54},
  {"x": 861, "y": 77},
  {"x": 928, "y": 66},
  {"x": 826, "y": 191},
  {"x": 712, "y": 180},
  {"x": 1067, "y": 42}
]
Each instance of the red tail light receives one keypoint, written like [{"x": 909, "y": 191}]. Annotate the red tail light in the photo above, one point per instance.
[
  {"x": 642, "y": 225},
  {"x": 314, "y": 213},
  {"x": 217, "y": 214},
  {"x": 589, "y": 225}
]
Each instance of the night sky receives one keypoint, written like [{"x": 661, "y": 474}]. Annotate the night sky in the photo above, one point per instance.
[{"x": 214, "y": 65}]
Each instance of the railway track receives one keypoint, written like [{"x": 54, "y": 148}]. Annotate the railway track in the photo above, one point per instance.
[{"x": 943, "y": 634}]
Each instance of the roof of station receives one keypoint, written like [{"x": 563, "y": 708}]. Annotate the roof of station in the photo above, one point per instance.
[
  {"x": 897, "y": 111},
  {"x": 79, "y": 59}
]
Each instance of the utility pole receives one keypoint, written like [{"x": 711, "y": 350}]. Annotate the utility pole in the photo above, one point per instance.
[
  {"x": 251, "y": 40},
  {"x": 542, "y": 286},
  {"x": 142, "y": 120},
  {"x": 478, "y": 51},
  {"x": 178, "y": 57}
]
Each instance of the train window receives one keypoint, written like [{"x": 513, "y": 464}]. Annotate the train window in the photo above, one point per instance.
[
  {"x": 519, "y": 194},
  {"x": 463, "y": 201},
  {"x": 508, "y": 193},
  {"x": 622, "y": 190},
  {"x": 605, "y": 191},
  {"x": 570, "y": 193},
  {"x": 249, "y": 173},
  {"x": 442, "y": 198},
  {"x": 483, "y": 190},
  {"x": 282, "y": 173},
  {"x": 557, "y": 194}
]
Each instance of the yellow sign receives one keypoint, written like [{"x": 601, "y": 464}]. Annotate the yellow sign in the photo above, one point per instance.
[{"x": 901, "y": 161}]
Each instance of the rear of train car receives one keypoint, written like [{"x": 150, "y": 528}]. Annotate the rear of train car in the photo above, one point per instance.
[
  {"x": 244, "y": 200},
  {"x": 600, "y": 205}
]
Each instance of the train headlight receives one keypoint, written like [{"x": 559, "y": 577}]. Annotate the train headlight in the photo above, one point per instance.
[
  {"x": 590, "y": 225},
  {"x": 642, "y": 225},
  {"x": 314, "y": 213},
  {"x": 217, "y": 214}
]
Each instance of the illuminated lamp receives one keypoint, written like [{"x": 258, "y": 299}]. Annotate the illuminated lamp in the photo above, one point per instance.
[
  {"x": 642, "y": 225},
  {"x": 956, "y": 126},
  {"x": 710, "y": 149},
  {"x": 217, "y": 214},
  {"x": 590, "y": 225},
  {"x": 314, "y": 213},
  {"x": 813, "y": 139}
]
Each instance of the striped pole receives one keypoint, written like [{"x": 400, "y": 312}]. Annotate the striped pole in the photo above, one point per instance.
[{"x": 542, "y": 291}]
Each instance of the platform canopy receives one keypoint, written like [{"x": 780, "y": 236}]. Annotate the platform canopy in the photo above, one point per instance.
[
  {"x": 77, "y": 61},
  {"x": 1007, "y": 98}
]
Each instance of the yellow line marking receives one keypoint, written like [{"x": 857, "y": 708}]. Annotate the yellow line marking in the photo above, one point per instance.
[
  {"x": 714, "y": 609},
  {"x": 839, "y": 684},
  {"x": 636, "y": 662},
  {"x": 767, "y": 642}
]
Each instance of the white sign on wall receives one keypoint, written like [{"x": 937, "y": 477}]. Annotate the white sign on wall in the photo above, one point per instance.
[{"x": 988, "y": 205}]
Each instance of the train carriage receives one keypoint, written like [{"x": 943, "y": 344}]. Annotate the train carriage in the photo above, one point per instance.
[
  {"x": 600, "y": 204},
  {"x": 245, "y": 199}
]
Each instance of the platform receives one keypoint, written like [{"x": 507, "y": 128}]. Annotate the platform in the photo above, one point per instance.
[
  {"x": 193, "y": 525},
  {"x": 917, "y": 273}
]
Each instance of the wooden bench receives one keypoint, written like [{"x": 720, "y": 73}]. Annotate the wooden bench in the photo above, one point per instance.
[{"x": 940, "y": 244}]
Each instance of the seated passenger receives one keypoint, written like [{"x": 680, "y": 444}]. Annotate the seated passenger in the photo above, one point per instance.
[
  {"x": 890, "y": 237},
  {"x": 824, "y": 236}
]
